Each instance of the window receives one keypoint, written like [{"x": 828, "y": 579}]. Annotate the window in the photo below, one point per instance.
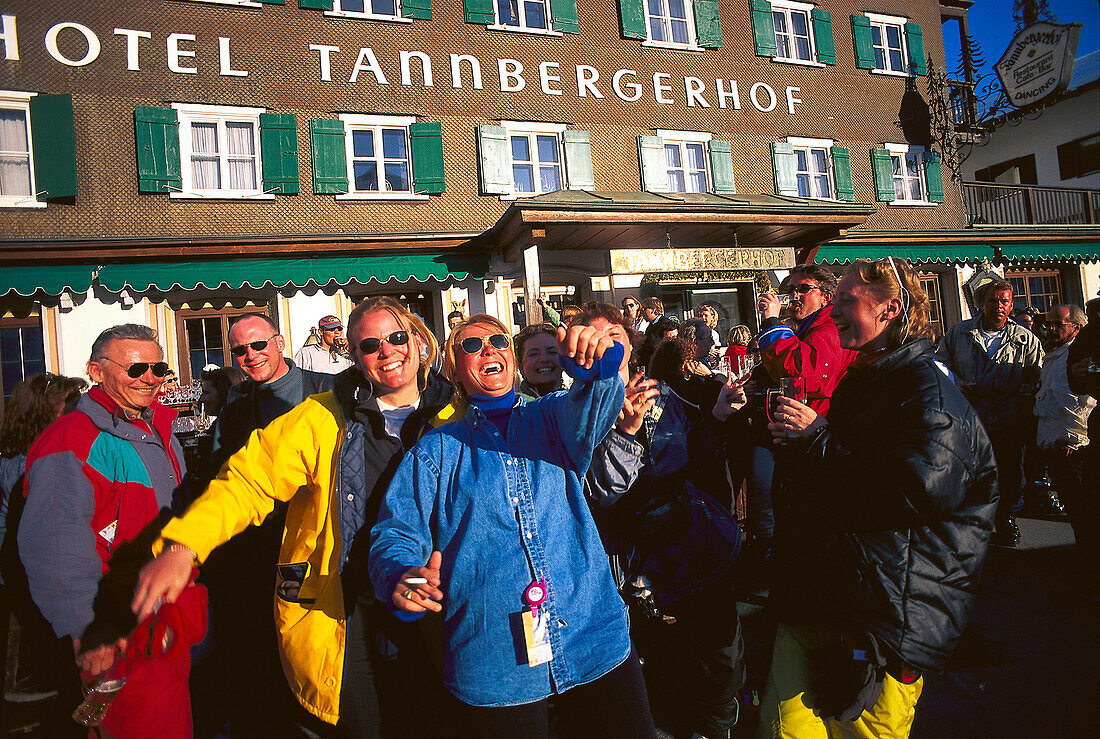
[
  {"x": 907, "y": 175},
  {"x": 1019, "y": 171},
  {"x": 16, "y": 166},
  {"x": 536, "y": 163},
  {"x": 907, "y": 165},
  {"x": 378, "y": 154},
  {"x": 670, "y": 22},
  {"x": 524, "y": 159},
  {"x": 205, "y": 335},
  {"x": 1040, "y": 289},
  {"x": 930, "y": 283},
  {"x": 793, "y": 34},
  {"x": 1079, "y": 158},
  {"x": 813, "y": 169},
  {"x": 369, "y": 9},
  {"x": 526, "y": 15},
  {"x": 21, "y": 352},
  {"x": 686, "y": 161},
  {"x": 243, "y": 3},
  {"x": 220, "y": 151},
  {"x": 888, "y": 44},
  {"x": 887, "y": 39}
]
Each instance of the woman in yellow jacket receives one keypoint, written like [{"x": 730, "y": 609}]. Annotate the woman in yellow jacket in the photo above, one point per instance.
[{"x": 331, "y": 459}]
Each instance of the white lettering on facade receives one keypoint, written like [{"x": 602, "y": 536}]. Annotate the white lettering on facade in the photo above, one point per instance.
[
  {"x": 367, "y": 63},
  {"x": 693, "y": 88},
  {"x": 456, "y": 70},
  {"x": 425, "y": 67},
  {"x": 89, "y": 37},
  {"x": 511, "y": 75},
  {"x": 763, "y": 108},
  {"x": 225, "y": 64},
  {"x": 634, "y": 87},
  {"x": 545, "y": 78},
  {"x": 324, "y": 52},
  {"x": 660, "y": 88},
  {"x": 9, "y": 38},
  {"x": 791, "y": 99},
  {"x": 175, "y": 53},
  {"x": 586, "y": 81},
  {"x": 731, "y": 95},
  {"x": 132, "y": 38}
]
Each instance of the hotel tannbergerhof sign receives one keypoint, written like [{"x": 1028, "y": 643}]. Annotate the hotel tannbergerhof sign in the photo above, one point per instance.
[
  {"x": 641, "y": 261},
  {"x": 1039, "y": 62},
  {"x": 187, "y": 53}
]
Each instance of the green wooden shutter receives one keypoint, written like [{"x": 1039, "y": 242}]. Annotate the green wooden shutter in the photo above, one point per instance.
[
  {"x": 933, "y": 176},
  {"x": 419, "y": 9},
  {"x": 842, "y": 174},
  {"x": 786, "y": 173},
  {"x": 763, "y": 28},
  {"x": 564, "y": 13},
  {"x": 578, "y": 160},
  {"x": 279, "y": 148},
  {"x": 823, "y": 36},
  {"x": 632, "y": 16},
  {"x": 721, "y": 167},
  {"x": 315, "y": 4},
  {"x": 861, "y": 42},
  {"x": 157, "y": 137},
  {"x": 273, "y": 2},
  {"x": 426, "y": 142},
  {"x": 479, "y": 11},
  {"x": 328, "y": 156},
  {"x": 708, "y": 28},
  {"x": 54, "y": 146},
  {"x": 914, "y": 39},
  {"x": 653, "y": 164},
  {"x": 883, "y": 168},
  {"x": 493, "y": 160}
]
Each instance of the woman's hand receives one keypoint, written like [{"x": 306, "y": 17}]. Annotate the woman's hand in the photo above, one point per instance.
[
  {"x": 731, "y": 398},
  {"x": 640, "y": 396},
  {"x": 583, "y": 344},
  {"x": 418, "y": 589},
  {"x": 163, "y": 579},
  {"x": 794, "y": 420}
]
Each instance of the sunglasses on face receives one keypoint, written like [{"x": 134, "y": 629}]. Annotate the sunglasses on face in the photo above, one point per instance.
[
  {"x": 474, "y": 344},
  {"x": 137, "y": 369},
  {"x": 256, "y": 346},
  {"x": 801, "y": 289},
  {"x": 370, "y": 345}
]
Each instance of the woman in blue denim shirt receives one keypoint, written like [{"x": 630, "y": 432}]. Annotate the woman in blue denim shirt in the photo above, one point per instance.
[{"x": 494, "y": 505}]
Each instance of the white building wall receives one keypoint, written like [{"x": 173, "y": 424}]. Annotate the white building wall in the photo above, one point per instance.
[{"x": 79, "y": 327}]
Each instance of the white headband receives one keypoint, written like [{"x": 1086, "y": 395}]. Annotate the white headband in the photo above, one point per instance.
[{"x": 905, "y": 298}]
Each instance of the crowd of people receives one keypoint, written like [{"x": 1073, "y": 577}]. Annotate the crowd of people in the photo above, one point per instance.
[{"x": 535, "y": 535}]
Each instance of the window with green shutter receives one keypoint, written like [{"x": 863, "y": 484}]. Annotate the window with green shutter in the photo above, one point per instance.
[
  {"x": 933, "y": 176},
  {"x": 861, "y": 41},
  {"x": 156, "y": 137},
  {"x": 279, "y": 147},
  {"x": 492, "y": 151},
  {"x": 721, "y": 167},
  {"x": 652, "y": 162},
  {"x": 883, "y": 170},
  {"x": 315, "y": 4},
  {"x": 564, "y": 13},
  {"x": 632, "y": 18},
  {"x": 708, "y": 28},
  {"x": 419, "y": 9},
  {"x": 763, "y": 28},
  {"x": 328, "y": 156},
  {"x": 914, "y": 39},
  {"x": 53, "y": 142},
  {"x": 823, "y": 36},
  {"x": 479, "y": 11},
  {"x": 578, "y": 160},
  {"x": 784, "y": 169},
  {"x": 426, "y": 142},
  {"x": 842, "y": 173}
]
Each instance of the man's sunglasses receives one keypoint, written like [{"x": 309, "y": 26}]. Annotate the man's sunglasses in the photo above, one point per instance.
[
  {"x": 137, "y": 369},
  {"x": 801, "y": 289},
  {"x": 256, "y": 346},
  {"x": 370, "y": 345},
  {"x": 474, "y": 344}
]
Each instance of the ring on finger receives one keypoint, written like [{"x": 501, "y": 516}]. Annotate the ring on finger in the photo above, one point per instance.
[{"x": 408, "y": 594}]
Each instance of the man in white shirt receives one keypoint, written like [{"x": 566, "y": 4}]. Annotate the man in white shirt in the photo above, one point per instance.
[{"x": 330, "y": 356}]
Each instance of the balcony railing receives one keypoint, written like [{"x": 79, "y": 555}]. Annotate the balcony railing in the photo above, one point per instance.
[
  {"x": 987, "y": 202},
  {"x": 964, "y": 103}
]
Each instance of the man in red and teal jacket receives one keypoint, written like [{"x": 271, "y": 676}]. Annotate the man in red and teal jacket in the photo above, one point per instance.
[{"x": 95, "y": 478}]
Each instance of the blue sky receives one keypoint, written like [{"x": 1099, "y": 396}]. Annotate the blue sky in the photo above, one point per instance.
[{"x": 991, "y": 24}]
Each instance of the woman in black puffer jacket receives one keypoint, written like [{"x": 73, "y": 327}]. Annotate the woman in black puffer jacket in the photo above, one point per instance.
[{"x": 882, "y": 526}]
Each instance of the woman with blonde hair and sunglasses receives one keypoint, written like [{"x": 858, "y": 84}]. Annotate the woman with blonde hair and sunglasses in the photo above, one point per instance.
[
  {"x": 349, "y": 661},
  {"x": 882, "y": 526},
  {"x": 486, "y": 522}
]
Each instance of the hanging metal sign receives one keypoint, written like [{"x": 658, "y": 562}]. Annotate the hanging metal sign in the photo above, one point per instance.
[{"x": 1039, "y": 62}]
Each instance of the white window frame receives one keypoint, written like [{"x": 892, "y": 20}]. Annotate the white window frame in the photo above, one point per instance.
[
  {"x": 785, "y": 7},
  {"x": 189, "y": 114},
  {"x": 533, "y": 129},
  {"x": 366, "y": 14},
  {"x": 356, "y": 122},
  {"x": 807, "y": 145},
  {"x": 692, "y": 42},
  {"x": 689, "y": 137},
  {"x": 498, "y": 25},
  {"x": 882, "y": 21},
  {"x": 900, "y": 150},
  {"x": 21, "y": 101},
  {"x": 238, "y": 3}
]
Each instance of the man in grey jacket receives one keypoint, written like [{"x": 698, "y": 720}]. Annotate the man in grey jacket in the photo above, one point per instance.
[{"x": 996, "y": 364}]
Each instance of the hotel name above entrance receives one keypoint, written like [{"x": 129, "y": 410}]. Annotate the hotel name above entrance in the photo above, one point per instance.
[{"x": 192, "y": 54}]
